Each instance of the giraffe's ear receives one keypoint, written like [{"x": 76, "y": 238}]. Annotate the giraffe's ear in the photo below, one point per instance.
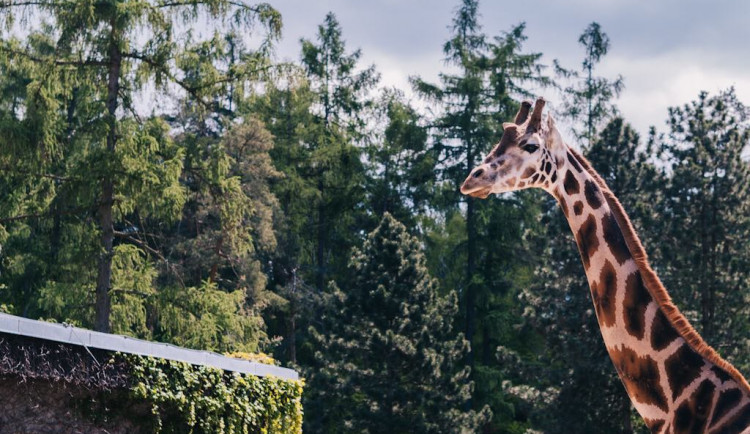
[{"x": 554, "y": 139}]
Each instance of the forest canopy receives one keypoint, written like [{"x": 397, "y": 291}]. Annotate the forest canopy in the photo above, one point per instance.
[{"x": 186, "y": 187}]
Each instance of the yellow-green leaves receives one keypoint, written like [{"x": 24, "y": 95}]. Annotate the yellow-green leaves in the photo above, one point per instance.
[{"x": 188, "y": 398}]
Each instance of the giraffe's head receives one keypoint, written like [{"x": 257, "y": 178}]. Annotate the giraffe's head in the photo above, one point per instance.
[{"x": 527, "y": 156}]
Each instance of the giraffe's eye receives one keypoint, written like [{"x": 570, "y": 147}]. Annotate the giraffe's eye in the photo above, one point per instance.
[{"x": 529, "y": 147}]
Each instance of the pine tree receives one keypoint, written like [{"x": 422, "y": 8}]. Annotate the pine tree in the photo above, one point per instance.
[
  {"x": 400, "y": 177},
  {"x": 118, "y": 173},
  {"x": 340, "y": 92},
  {"x": 475, "y": 101},
  {"x": 316, "y": 112},
  {"x": 388, "y": 358},
  {"x": 286, "y": 109},
  {"x": 587, "y": 100},
  {"x": 705, "y": 217}
]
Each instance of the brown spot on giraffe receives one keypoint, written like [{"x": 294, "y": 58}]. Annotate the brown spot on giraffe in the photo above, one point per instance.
[
  {"x": 654, "y": 425},
  {"x": 738, "y": 423},
  {"x": 683, "y": 367},
  {"x": 720, "y": 374},
  {"x": 574, "y": 162},
  {"x": 528, "y": 173},
  {"x": 692, "y": 415},
  {"x": 510, "y": 135},
  {"x": 636, "y": 301},
  {"x": 662, "y": 332},
  {"x": 593, "y": 195},
  {"x": 578, "y": 207},
  {"x": 587, "y": 240},
  {"x": 570, "y": 183},
  {"x": 614, "y": 239},
  {"x": 728, "y": 399},
  {"x": 640, "y": 375},
  {"x": 563, "y": 205},
  {"x": 604, "y": 294}
]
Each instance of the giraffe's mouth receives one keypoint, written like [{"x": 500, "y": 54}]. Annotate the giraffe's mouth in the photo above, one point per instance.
[
  {"x": 476, "y": 184},
  {"x": 480, "y": 192}
]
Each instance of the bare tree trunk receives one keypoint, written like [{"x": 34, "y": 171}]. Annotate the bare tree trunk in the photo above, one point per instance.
[
  {"x": 106, "y": 224},
  {"x": 320, "y": 269}
]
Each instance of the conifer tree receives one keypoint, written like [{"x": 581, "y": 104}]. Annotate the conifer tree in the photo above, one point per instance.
[
  {"x": 316, "y": 112},
  {"x": 340, "y": 92},
  {"x": 470, "y": 255},
  {"x": 388, "y": 357},
  {"x": 88, "y": 62},
  {"x": 400, "y": 165},
  {"x": 588, "y": 98},
  {"x": 705, "y": 217},
  {"x": 475, "y": 102}
]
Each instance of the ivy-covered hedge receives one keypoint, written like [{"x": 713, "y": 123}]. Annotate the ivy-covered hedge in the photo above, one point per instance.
[
  {"x": 99, "y": 391},
  {"x": 200, "y": 399}
]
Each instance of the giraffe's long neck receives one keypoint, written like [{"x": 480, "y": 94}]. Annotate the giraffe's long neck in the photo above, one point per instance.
[{"x": 674, "y": 380}]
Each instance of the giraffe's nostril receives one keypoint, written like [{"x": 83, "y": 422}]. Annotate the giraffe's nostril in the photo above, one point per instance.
[{"x": 477, "y": 173}]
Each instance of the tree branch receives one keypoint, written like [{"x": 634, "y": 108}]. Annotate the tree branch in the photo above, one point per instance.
[
  {"x": 237, "y": 4},
  {"x": 41, "y": 215},
  {"x": 192, "y": 91},
  {"x": 13, "y": 170},
  {"x": 130, "y": 291},
  {"x": 53, "y": 60},
  {"x": 156, "y": 253}
]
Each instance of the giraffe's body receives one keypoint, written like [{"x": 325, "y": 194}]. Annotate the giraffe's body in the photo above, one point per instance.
[{"x": 676, "y": 382}]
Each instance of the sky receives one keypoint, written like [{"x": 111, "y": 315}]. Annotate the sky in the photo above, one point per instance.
[{"x": 666, "y": 50}]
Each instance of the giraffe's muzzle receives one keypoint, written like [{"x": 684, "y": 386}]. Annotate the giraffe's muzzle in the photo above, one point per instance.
[{"x": 476, "y": 185}]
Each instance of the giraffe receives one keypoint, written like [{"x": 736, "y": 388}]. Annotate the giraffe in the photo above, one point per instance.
[{"x": 676, "y": 382}]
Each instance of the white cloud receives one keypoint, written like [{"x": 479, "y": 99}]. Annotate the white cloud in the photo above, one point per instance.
[
  {"x": 667, "y": 51},
  {"x": 653, "y": 84}
]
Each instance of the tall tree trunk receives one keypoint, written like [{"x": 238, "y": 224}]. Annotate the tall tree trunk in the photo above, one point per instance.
[
  {"x": 106, "y": 223},
  {"x": 470, "y": 266},
  {"x": 320, "y": 265},
  {"x": 291, "y": 339}
]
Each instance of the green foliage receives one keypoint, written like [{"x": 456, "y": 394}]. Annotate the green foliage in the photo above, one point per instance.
[
  {"x": 387, "y": 355},
  {"x": 225, "y": 221},
  {"x": 481, "y": 262},
  {"x": 588, "y": 98},
  {"x": 338, "y": 107},
  {"x": 84, "y": 66},
  {"x": 187, "y": 398},
  {"x": 401, "y": 164},
  {"x": 704, "y": 219}
]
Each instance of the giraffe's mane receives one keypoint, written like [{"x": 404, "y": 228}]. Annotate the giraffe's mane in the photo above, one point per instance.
[{"x": 653, "y": 283}]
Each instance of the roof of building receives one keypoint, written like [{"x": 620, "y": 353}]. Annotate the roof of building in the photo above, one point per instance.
[{"x": 90, "y": 339}]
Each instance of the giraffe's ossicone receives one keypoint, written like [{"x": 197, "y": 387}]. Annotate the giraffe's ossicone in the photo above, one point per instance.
[{"x": 675, "y": 380}]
